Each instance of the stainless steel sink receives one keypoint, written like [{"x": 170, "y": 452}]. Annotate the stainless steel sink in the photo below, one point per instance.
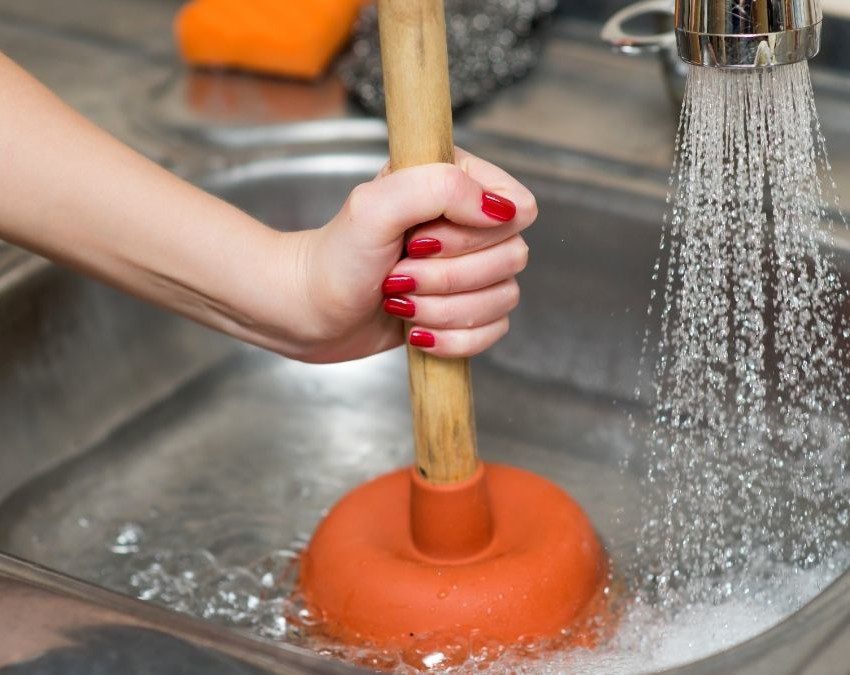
[{"x": 114, "y": 411}]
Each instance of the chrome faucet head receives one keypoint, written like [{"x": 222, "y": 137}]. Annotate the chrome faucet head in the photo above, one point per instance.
[{"x": 747, "y": 33}]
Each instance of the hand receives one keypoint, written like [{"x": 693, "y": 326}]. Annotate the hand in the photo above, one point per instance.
[
  {"x": 78, "y": 196},
  {"x": 457, "y": 284}
]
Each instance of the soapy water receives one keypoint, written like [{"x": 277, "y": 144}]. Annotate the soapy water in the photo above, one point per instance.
[
  {"x": 746, "y": 509},
  {"x": 260, "y": 599}
]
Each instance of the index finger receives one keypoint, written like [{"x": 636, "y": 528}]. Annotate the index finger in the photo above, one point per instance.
[
  {"x": 499, "y": 181},
  {"x": 493, "y": 179}
]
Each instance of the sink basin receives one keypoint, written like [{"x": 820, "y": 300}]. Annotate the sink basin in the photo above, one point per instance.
[{"x": 128, "y": 431}]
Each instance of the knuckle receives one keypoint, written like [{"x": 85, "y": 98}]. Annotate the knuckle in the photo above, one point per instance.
[
  {"x": 443, "y": 318},
  {"x": 452, "y": 183},
  {"x": 520, "y": 254},
  {"x": 467, "y": 343},
  {"x": 469, "y": 241},
  {"x": 448, "y": 279},
  {"x": 358, "y": 200},
  {"x": 500, "y": 329},
  {"x": 512, "y": 294},
  {"x": 505, "y": 327},
  {"x": 530, "y": 208}
]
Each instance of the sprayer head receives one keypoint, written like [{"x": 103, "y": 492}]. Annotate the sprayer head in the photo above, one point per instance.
[{"x": 747, "y": 33}]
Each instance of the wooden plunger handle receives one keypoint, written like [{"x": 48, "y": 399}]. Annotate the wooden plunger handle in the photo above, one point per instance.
[{"x": 419, "y": 117}]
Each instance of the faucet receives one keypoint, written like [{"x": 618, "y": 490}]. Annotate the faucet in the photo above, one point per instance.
[
  {"x": 735, "y": 34},
  {"x": 747, "y": 33}
]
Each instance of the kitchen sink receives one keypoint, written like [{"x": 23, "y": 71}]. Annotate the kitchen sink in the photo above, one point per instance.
[{"x": 118, "y": 415}]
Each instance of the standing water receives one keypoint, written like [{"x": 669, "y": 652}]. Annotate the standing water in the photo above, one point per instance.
[{"x": 745, "y": 440}]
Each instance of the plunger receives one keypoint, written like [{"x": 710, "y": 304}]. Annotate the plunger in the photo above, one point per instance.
[{"x": 450, "y": 546}]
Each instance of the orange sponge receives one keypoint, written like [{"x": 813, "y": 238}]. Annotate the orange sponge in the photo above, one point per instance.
[{"x": 285, "y": 37}]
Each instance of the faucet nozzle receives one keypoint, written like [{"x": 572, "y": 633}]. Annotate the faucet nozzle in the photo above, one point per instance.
[{"x": 747, "y": 33}]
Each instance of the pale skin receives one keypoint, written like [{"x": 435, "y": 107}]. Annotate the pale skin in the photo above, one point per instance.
[{"x": 76, "y": 195}]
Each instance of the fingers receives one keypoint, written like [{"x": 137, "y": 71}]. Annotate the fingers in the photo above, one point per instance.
[
  {"x": 455, "y": 343},
  {"x": 458, "y": 306},
  {"x": 487, "y": 174},
  {"x": 455, "y": 240},
  {"x": 461, "y": 310},
  {"x": 499, "y": 181},
  {"x": 457, "y": 286},
  {"x": 388, "y": 206},
  {"x": 481, "y": 269}
]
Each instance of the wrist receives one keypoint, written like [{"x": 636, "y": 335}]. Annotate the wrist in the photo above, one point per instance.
[
  {"x": 249, "y": 281},
  {"x": 282, "y": 312},
  {"x": 300, "y": 323}
]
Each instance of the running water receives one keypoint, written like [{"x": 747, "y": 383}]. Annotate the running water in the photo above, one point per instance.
[{"x": 749, "y": 445}]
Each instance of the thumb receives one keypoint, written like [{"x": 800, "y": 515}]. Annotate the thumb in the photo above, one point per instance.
[{"x": 391, "y": 205}]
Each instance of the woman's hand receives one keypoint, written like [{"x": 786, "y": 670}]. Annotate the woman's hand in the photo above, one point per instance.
[
  {"x": 456, "y": 285},
  {"x": 78, "y": 196}
]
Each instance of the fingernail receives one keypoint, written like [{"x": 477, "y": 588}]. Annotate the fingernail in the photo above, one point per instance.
[
  {"x": 398, "y": 283},
  {"x": 422, "y": 338},
  {"x": 399, "y": 307},
  {"x": 497, "y": 207},
  {"x": 419, "y": 248}
]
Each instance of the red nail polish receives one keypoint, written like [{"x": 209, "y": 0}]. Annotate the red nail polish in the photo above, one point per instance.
[
  {"x": 419, "y": 248},
  {"x": 422, "y": 338},
  {"x": 398, "y": 283},
  {"x": 498, "y": 207},
  {"x": 399, "y": 307}
]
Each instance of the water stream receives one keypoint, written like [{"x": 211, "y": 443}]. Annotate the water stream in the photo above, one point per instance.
[{"x": 749, "y": 443}]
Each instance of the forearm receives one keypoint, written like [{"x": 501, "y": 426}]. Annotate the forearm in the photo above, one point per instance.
[{"x": 76, "y": 195}]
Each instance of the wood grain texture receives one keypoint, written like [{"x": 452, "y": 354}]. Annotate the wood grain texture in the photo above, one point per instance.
[{"x": 419, "y": 117}]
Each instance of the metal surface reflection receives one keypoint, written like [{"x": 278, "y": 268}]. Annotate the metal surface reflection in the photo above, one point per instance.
[{"x": 55, "y": 625}]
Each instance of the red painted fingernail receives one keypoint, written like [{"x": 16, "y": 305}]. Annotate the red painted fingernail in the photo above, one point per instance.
[
  {"x": 419, "y": 248},
  {"x": 398, "y": 283},
  {"x": 422, "y": 338},
  {"x": 497, "y": 207},
  {"x": 399, "y": 307}
]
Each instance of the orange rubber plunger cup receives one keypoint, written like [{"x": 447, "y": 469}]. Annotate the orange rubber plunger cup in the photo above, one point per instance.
[
  {"x": 521, "y": 561},
  {"x": 452, "y": 546}
]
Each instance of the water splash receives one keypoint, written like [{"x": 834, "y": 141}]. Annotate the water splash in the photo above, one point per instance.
[
  {"x": 749, "y": 445},
  {"x": 258, "y": 598}
]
